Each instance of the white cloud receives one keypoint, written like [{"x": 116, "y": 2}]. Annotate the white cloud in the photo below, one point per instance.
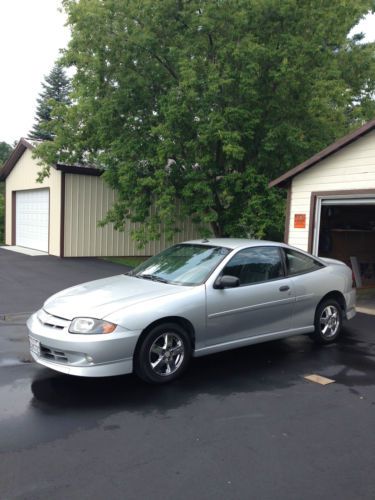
[
  {"x": 31, "y": 34},
  {"x": 366, "y": 26}
]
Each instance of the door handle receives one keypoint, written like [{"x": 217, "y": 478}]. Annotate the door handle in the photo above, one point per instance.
[{"x": 284, "y": 288}]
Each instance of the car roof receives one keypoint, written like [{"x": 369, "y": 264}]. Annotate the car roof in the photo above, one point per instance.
[{"x": 233, "y": 243}]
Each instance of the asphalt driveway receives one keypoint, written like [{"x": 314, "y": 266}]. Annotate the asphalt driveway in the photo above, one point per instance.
[
  {"x": 25, "y": 282},
  {"x": 242, "y": 424}
]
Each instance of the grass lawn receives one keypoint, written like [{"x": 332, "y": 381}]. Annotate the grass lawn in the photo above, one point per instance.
[{"x": 126, "y": 261}]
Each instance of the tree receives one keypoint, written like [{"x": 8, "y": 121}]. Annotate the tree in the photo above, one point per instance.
[
  {"x": 205, "y": 101},
  {"x": 5, "y": 151},
  {"x": 56, "y": 89}
]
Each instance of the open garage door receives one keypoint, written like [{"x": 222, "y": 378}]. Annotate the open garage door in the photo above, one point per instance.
[
  {"x": 346, "y": 231},
  {"x": 32, "y": 219}
]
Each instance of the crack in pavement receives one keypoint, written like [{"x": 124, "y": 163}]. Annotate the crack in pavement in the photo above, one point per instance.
[{"x": 15, "y": 318}]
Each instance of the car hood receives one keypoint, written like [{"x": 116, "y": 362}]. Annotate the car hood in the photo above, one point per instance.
[{"x": 98, "y": 299}]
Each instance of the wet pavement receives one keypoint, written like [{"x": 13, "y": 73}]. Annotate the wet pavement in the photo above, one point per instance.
[
  {"x": 239, "y": 424},
  {"x": 242, "y": 424},
  {"x": 25, "y": 281}
]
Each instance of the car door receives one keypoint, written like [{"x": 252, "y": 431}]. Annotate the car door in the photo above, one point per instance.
[
  {"x": 307, "y": 275},
  {"x": 262, "y": 303}
]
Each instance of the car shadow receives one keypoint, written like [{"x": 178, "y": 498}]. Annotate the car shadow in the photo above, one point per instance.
[
  {"x": 44, "y": 406},
  {"x": 54, "y": 406},
  {"x": 263, "y": 367},
  {"x": 260, "y": 367}
]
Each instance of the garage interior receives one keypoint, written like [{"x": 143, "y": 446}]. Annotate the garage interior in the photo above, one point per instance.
[{"x": 347, "y": 233}]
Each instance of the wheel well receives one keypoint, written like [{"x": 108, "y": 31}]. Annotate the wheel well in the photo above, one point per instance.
[
  {"x": 338, "y": 296},
  {"x": 183, "y": 322}
]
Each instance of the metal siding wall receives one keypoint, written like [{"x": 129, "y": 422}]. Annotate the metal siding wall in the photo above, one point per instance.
[{"x": 87, "y": 200}]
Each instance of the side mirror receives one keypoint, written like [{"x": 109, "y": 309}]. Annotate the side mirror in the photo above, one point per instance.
[{"x": 227, "y": 281}]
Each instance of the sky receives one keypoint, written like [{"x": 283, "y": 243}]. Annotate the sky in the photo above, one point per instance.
[{"x": 31, "y": 34}]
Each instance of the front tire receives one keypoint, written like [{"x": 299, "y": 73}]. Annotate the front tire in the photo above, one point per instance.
[
  {"x": 328, "y": 322},
  {"x": 163, "y": 354}
]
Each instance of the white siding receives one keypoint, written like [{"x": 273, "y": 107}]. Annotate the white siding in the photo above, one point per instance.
[
  {"x": 22, "y": 177},
  {"x": 87, "y": 200},
  {"x": 351, "y": 168}
]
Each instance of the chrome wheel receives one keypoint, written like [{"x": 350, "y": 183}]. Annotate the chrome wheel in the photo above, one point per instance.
[
  {"x": 329, "y": 321},
  {"x": 166, "y": 354}
]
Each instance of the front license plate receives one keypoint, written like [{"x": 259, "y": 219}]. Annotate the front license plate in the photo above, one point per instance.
[{"x": 34, "y": 346}]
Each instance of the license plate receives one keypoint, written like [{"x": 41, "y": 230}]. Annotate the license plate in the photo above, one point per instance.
[{"x": 34, "y": 346}]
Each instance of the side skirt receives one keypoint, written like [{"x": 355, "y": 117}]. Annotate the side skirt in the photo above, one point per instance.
[{"x": 251, "y": 340}]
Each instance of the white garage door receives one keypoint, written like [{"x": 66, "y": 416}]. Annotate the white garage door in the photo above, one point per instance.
[{"x": 32, "y": 209}]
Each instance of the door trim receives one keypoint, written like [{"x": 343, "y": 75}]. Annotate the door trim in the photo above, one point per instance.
[
  {"x": 62, "y": 215},
  {"x": 14, "y": 216},
  {"x": 315, "y": 210}
]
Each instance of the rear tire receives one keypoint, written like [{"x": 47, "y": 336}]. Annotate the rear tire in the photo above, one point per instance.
[
  {"x": 328, "y": 322},
  {"x": 163, "y": 354}
]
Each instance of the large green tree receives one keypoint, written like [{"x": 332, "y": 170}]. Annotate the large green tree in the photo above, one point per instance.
[
  {"x": 205, "y": 101},
  {"x": 5, "y": 150},
  {"x": 56, "y": 87}
]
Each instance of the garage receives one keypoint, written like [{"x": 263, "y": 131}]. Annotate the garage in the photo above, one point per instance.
[
  {"x": 345, "y": 230},
  {"x": 331, "y": 203},
  {"x": 61, "y": 214},
  {"x": 32, "y": 218}
]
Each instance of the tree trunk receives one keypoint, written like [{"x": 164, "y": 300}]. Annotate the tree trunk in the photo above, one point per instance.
[{"x": 217, "y": 229}]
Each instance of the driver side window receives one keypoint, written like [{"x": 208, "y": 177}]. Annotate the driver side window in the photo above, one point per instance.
[{"x": 255, "y": 265}]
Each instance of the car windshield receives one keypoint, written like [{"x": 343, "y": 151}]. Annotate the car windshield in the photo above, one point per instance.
[{"x": 183, "y": 264}]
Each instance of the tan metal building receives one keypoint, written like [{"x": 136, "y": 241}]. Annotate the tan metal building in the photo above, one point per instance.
[
  {"x": 331, "y": 202},
  {"x": 60, "y": 216}
]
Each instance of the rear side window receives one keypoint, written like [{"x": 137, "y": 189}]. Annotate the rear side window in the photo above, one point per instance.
[
  {"x": 256, "y": 264},
  {"x": 298, "y": 263}
]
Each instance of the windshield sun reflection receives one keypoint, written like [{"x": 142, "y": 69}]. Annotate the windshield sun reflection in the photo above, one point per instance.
[{"x": 183, "y": 264}]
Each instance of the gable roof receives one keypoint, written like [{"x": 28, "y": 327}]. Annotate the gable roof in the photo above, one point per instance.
[
  {"x": 283, "y": 180},
  {"x": 14, "y": 157},
  {"x": 25, "y": 144}
]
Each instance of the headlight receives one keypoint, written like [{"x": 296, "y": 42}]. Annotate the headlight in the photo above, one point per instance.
[{"x": 90, "y": 325}]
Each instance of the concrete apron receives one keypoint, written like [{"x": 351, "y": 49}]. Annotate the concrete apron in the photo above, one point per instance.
[
  {"x": 366, "y": 301},
  {"x": 25, "y": 251}
]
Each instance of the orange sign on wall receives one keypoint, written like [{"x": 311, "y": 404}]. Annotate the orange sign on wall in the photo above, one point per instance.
[{"x": 299, "y": 221}]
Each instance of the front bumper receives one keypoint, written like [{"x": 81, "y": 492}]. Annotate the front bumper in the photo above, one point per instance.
[{"x": 100, "y": 355}]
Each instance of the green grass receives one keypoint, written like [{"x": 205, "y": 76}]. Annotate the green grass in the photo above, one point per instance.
[{"x": 126, "y": 261}]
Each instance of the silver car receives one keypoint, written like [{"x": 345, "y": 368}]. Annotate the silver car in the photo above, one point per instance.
[{"x": 195, "y": 298}]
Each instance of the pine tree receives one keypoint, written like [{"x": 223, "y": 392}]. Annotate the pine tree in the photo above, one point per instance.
[{"x": 56, "y": 88}]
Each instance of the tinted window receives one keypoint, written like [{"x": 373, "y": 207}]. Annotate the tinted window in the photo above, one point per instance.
[
  {"x": 297, "y": 262},
  {"x": 254, "y": 265}
]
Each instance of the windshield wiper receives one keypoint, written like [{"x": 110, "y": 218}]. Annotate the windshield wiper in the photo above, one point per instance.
[{"x": 152, "y": 277}]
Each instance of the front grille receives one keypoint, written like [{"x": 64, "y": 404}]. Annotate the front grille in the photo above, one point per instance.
[
  {"x": 51, "y": 325},
  {"x": 51, "y": 321},
  {"x": 53, "y": 354}
]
